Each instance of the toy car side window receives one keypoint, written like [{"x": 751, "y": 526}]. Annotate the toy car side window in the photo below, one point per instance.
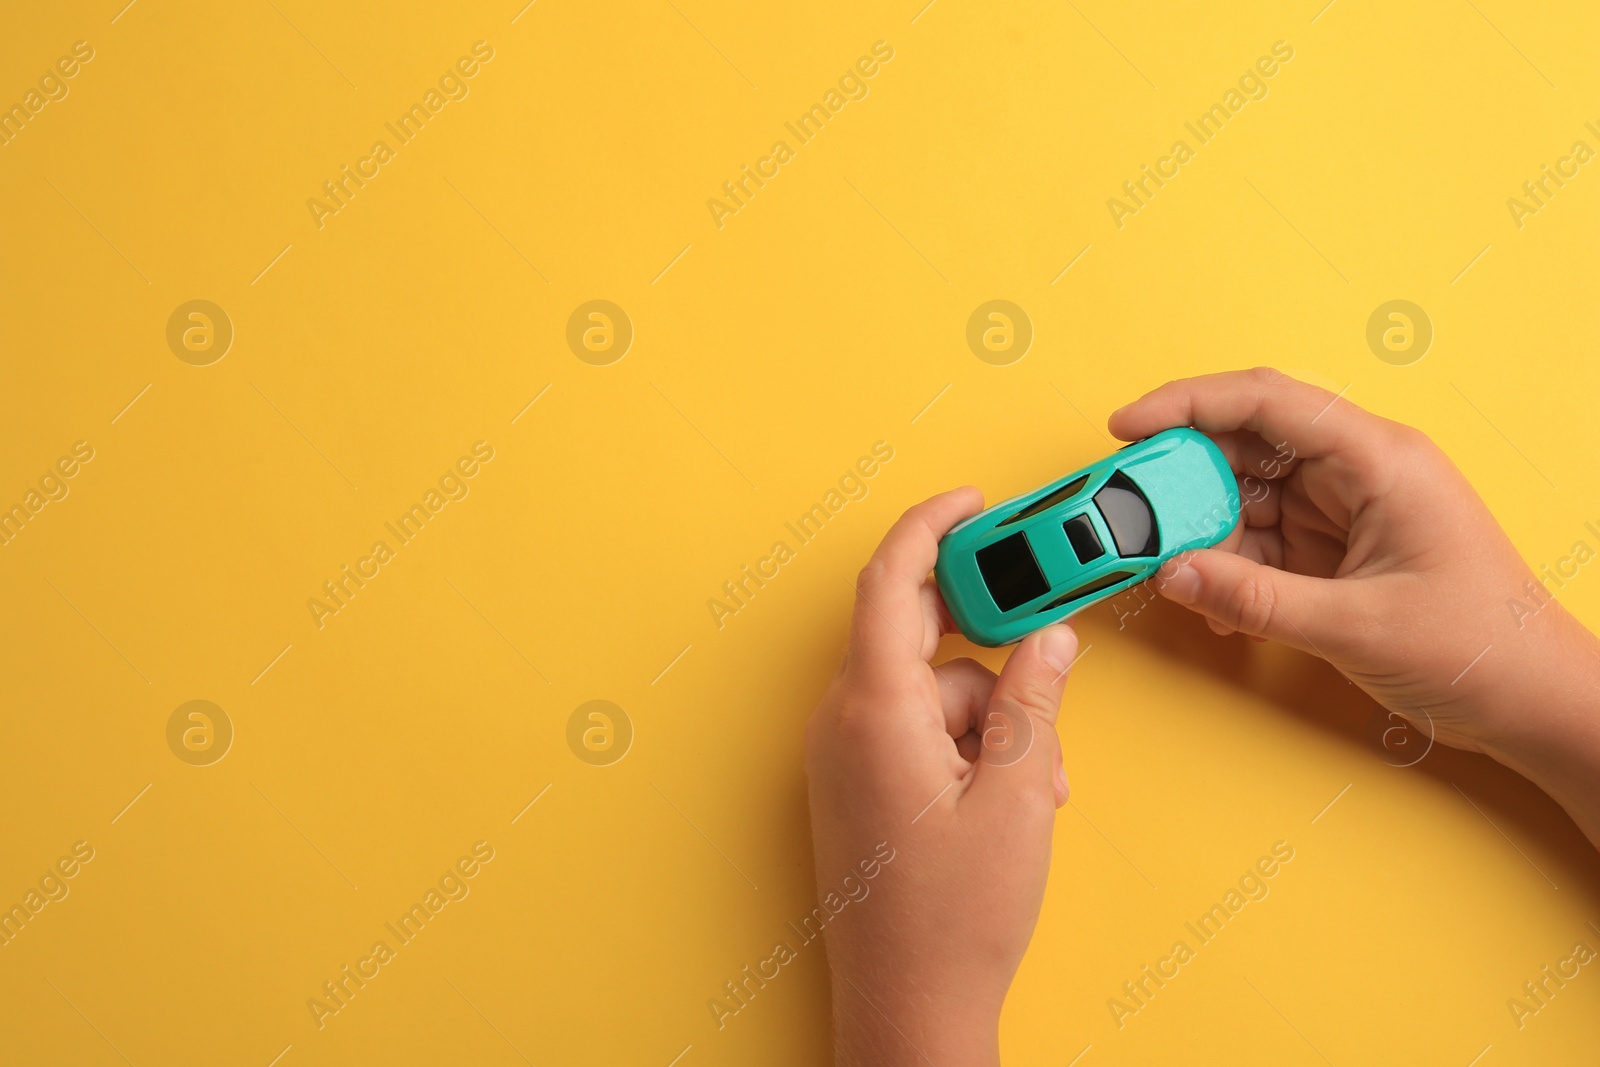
[
  {"x": 1048, "y": 501},
  {"x": 1105, "y": 581},
  {"x": 1011, "y": 572},
  {"x": 1085, "y": 542},
  {"x": 1128, "y": 516}
]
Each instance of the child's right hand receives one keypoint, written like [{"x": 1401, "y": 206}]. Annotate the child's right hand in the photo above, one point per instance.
[{"x": 1363, "y": 544}]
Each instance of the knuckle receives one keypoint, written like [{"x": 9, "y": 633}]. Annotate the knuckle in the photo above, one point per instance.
[
  {"x": 871, "y": 576},
  {"x": 842, "y": 728},
  {"x": 1253, "y": 604},
  {"x": 1413, "y": 441},
  {"x": 1267, "y": 382},
  {"x": 1405, "y": 455},
  {"x": 868, "y": 709},
  {"x": 1038, "y": 697}
]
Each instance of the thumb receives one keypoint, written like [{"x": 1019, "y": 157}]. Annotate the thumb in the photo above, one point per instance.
[
  {"x": 1018, "y": 759},
  {"x": 1240, "y": 594}
]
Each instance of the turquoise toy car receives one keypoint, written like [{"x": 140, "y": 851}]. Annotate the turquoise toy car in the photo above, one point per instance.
[{"x": 1037, "y": 558}]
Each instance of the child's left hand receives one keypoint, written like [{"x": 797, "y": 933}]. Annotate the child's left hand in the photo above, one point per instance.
[{"x": 952, "y": 772}]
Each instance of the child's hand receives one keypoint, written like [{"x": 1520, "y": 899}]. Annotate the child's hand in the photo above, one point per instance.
[
  {"x": 954, "y": 775},
  {"x": 1363, "y": 544}
]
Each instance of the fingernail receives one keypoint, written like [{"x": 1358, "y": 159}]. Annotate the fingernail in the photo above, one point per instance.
[
  {"x": 1062, "y": 788},
  {"x": 1056, "y": 645},
  {"x": 1183, "y": 587}
]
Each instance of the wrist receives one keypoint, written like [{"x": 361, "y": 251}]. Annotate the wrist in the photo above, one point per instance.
[
  {"x": 1543, "y": 689},
  {"x": 1547, "y": 715},
  {"x": 878, "y": 1028}
]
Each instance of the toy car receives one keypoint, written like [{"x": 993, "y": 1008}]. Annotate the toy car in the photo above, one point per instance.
[{"x": 1037, "y": 558}]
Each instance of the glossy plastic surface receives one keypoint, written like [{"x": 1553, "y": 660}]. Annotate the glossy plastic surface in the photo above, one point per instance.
[{"x": 1145, "y": 503}]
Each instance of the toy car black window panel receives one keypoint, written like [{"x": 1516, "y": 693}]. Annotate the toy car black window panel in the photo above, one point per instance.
[
  {"x": 1105, "y": 581},
  {"x": 1048, "y": 501},
  {"x": 1085, "y": 542},
  {"x": 1128, "y": 516},
  {"x": 1011, "y": 572}
]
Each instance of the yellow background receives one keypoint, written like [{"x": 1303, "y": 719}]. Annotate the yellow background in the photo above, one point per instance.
[{"x": 823, "y": 317}]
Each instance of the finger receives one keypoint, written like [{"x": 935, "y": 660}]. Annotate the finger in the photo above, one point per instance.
[
  {"x": 1249, "y": 455},
  {"x": 968, "y": 745},
  {"x": 934, "y": 610},
  {"x": 1309, "y": 421},
  {"x": 964, "y": 689},
  {"x": 1236, "y": 593},
  {"x": 1261, "y": 503},
  {"x": 1256, "y": 517},
  {"x": 1017, "y": 764},
  {"x": 1263, "y": 545},
  {"x": 1258, "y": 470},
  {"x": 889, "y": 630}
]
